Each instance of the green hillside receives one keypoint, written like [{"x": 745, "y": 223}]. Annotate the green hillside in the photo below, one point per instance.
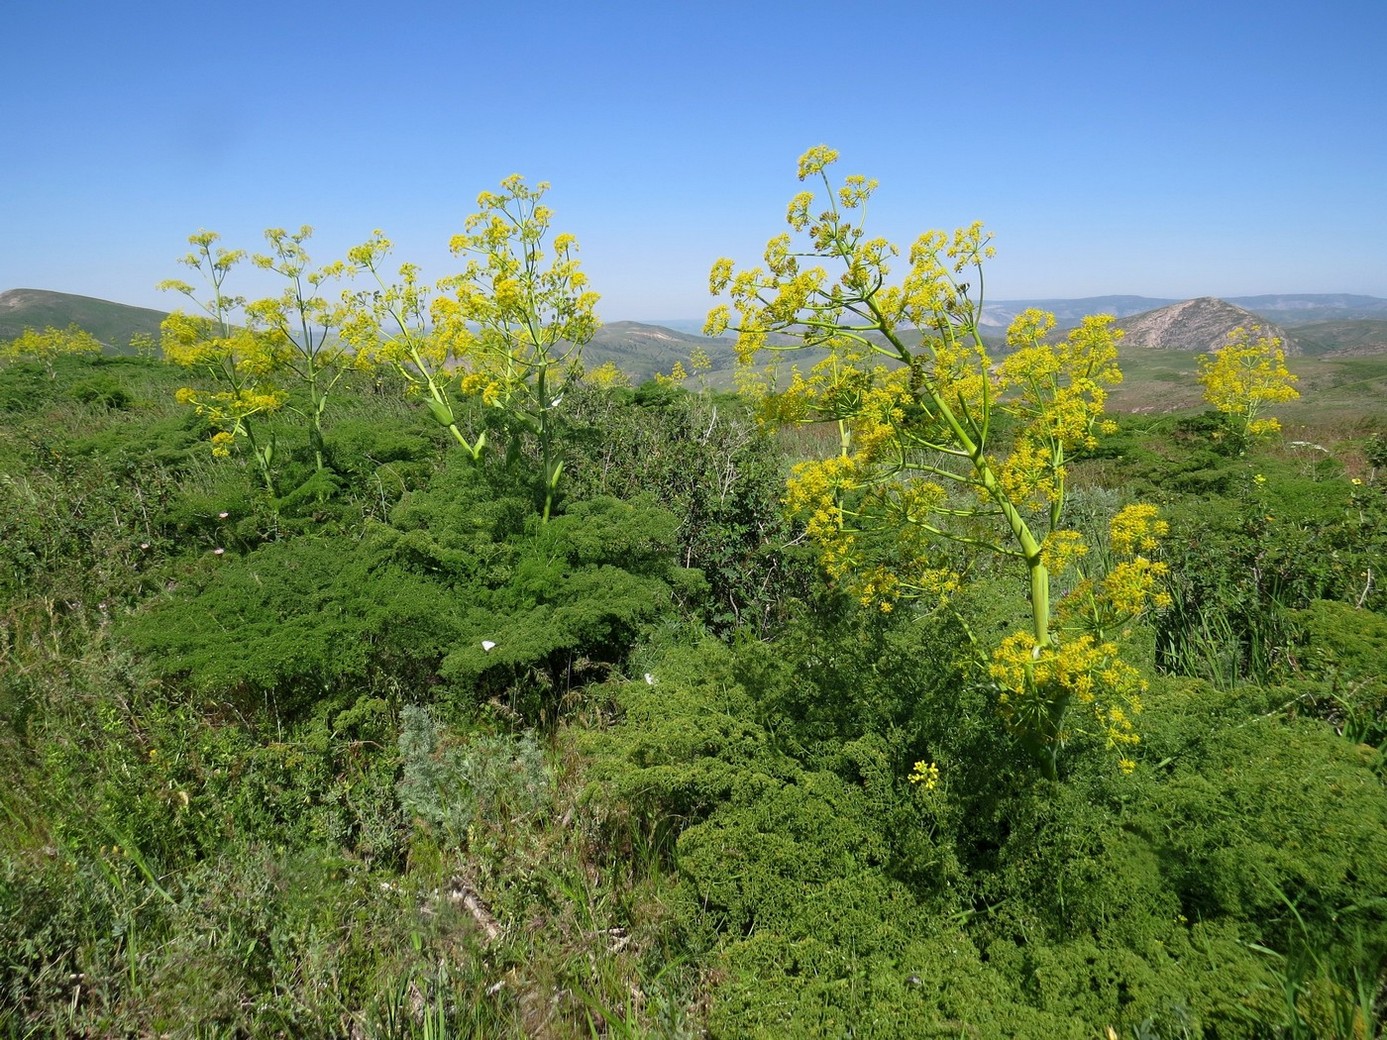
[
  {"x": 1343, "y": 337},
  {"x": 112, "y": 323},
  {"x": 1332, "y": 389},
  {"x": 642, "y": 351}
]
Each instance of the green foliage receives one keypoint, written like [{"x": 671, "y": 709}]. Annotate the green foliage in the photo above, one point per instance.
[
  {"x": 831, "y": 891},
  {"x": 580, "y": 589},
  {"x": 285, "y": 789},
  {"x": 711, "y": 465},
  {"x": 104, "y": 392},
  {"x": 26, "y": 388},
  {"x": 307, "y": 618},
  {"x": 1344, "y": 648},
  {"x": 298, "y": 621},
  {"x": 1275, "y": 808},
  {"x": 1286, "y": 533}
]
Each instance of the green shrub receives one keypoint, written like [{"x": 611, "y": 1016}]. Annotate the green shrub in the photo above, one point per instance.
[
  {"x": 1343, "y": 648},
  {"x": 297, "y": 622},
  {"x": 704, "y": 459}
]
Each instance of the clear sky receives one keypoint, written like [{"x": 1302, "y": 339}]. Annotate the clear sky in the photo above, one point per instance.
[{"x": 1155, "y": 147}]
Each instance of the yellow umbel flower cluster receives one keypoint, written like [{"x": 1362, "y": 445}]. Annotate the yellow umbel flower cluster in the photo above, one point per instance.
[
  {"x": 1135, "y": 584},
  {"x": 1062, "y": 549},
  {"x": 228, "y": 411},
  {"x": 926, "y": 774},
  {"x": 1038, "y": 686},
  {"x": 1244, "y": 376},
  {"x": 1132, "y": 585},
  {"x": 1136, "y": 528},
  {"x": 815, "y": 491},
  {"x": 1057, "y": 392}
]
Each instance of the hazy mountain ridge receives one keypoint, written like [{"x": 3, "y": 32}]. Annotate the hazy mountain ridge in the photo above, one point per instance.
[
  {"x": 1285, "y": 309},
  {"x": 642, "y": 350},
  {"x": 1068, "y": 313},
  {"x": 1320, "y": 324},
  {"x": 1343, "y": 338},
  {"x": 1292, "y": 309}
]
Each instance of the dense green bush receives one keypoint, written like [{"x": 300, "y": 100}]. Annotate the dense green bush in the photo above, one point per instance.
[
  {"x": 402, "y": 760},
  {"x": 704, "y": 459},
  {"x": 822, "y": 881}
]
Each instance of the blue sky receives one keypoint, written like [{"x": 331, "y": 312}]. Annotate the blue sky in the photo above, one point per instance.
[{"x": 1164, "y": 149}]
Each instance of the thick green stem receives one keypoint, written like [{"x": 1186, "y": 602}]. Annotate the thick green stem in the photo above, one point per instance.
[
  {"x": 549, "y": 466},
  {"x": 262, "y": 460},
  {"x": 316, "y": 404},
  {"x": 977, "y": 457}
]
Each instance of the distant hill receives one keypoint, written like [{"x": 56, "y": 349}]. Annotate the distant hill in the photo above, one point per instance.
[
  {"x": 1197, "y": 326},
  {"x": 112, "y": 323},
  {"x": 641, "y": 351},
  {"x": 1343, "y": 338},
  {"x": 1286, "y": 309}
]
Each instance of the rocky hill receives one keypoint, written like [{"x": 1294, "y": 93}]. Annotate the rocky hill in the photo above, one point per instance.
[{"x": 1197, "y": 326}]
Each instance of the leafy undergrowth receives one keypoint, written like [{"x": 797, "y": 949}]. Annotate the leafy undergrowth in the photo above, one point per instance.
[{"x": 388, "y": 756}]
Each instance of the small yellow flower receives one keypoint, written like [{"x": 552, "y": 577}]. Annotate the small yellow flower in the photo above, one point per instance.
[{"x": 926, "y": 774}]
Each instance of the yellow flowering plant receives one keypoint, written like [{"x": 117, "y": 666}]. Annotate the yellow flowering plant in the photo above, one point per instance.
[
  {"x": 47, "y": 345},
  {"x": 924, "y": 478},
  {"x": 303, "y": 325},
  {"x": 507, "y": 332},
  {"x": 607, "y": 376},
  {"x": 389, "y": 327},
  {"x": 520, "y": 315},
  {"x": 239, "y": 365},
  {"x": 1245, "y": 375}
]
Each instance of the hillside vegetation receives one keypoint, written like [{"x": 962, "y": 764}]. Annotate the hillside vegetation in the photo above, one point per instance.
[
  {"x": 1314, "y": 324},
  {"x": 264, "y": 775},
  {"x": 366, "y": 694}
]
